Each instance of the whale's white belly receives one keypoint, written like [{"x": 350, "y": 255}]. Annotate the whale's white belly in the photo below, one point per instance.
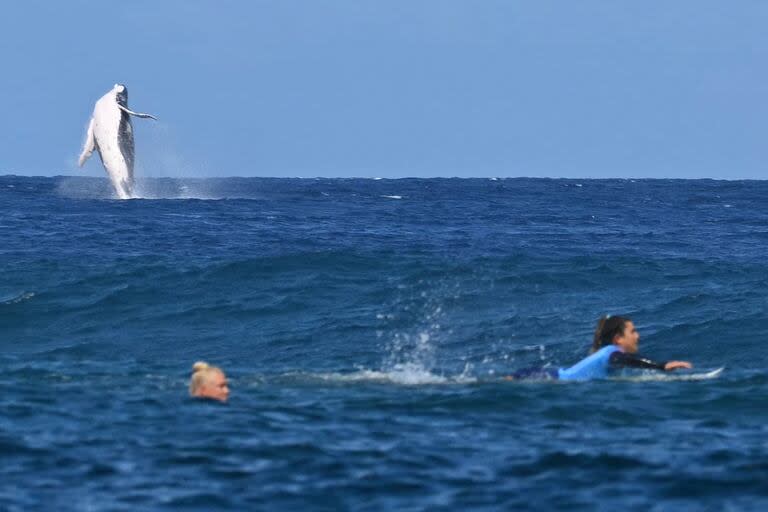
[
  {"x": 111, "y": 133},
  {"x": 115, "y": 147}
]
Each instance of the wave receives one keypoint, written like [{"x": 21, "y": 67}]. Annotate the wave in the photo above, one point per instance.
[
  {"x": 416, "y": 375},
  {"x": 15, "y": 299},
  {"x": 401, "y": 374}
]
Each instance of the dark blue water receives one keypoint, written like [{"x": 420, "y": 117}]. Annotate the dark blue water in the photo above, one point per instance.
[{"x": 365, "y": 326}]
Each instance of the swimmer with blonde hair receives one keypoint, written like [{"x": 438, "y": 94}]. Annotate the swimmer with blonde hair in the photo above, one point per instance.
[{"x": 208, "y": 382}]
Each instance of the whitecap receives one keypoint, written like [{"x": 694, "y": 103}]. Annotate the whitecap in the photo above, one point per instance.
[
  {"x": 15, "y": 299},
  {"x": 407, "y": 374}
]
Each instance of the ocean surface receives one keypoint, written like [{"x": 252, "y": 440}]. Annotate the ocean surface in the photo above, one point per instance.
[{"x": 365, "y": 326}]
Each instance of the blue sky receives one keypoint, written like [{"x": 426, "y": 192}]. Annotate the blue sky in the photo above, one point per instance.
[{"x": 394, "y": 88}]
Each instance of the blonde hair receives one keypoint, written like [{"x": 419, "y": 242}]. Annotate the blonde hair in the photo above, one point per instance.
[{"x": 200, "y": 370}]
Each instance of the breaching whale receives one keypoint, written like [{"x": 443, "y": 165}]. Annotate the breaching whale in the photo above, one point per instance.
[{"x": 111, "y": 133}]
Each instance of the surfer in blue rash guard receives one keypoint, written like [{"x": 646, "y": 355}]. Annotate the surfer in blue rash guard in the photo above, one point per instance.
[{"x": 614, "y": 347}]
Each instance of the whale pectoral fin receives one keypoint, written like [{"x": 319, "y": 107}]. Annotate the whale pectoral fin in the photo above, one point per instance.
[
  {"x": 88, "y": 146},
  {"x": 137, "y": 114}
]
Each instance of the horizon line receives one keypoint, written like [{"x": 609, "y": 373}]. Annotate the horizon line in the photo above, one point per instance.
[{"x": 381, "y": 178}]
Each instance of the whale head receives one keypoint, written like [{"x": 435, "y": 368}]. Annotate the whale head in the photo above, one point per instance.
[{"x": 121, "y": 94}]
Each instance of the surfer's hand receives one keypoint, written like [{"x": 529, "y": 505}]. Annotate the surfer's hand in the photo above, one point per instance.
[{"x": 674, "y": 365}]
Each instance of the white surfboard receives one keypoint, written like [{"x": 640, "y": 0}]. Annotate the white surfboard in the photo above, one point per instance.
[{"x": 674, "y": 376}]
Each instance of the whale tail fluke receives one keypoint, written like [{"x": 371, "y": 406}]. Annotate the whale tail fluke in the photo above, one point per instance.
[{"x": 88, "y": 146}]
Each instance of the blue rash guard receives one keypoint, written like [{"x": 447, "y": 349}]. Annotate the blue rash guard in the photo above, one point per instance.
[{"x": 594, "y": 366}]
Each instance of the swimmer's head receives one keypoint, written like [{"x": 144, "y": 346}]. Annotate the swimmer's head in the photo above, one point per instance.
[
  {"x": 208, "y": 382},
  {"x": 616, "y": 330}
]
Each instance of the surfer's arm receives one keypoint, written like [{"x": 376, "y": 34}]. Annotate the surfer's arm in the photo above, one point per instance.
[
  {"x": 624, "y": 360},
  {"x": 674, "y": 365},
  {"x": 88, "y": 146}
]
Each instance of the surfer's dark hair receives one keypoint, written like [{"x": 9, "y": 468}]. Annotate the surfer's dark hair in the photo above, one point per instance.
[{"x": 607, "y": 328}]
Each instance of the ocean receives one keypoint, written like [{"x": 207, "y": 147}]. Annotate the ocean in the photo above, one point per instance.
[{"x": 366, "y": 326}]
